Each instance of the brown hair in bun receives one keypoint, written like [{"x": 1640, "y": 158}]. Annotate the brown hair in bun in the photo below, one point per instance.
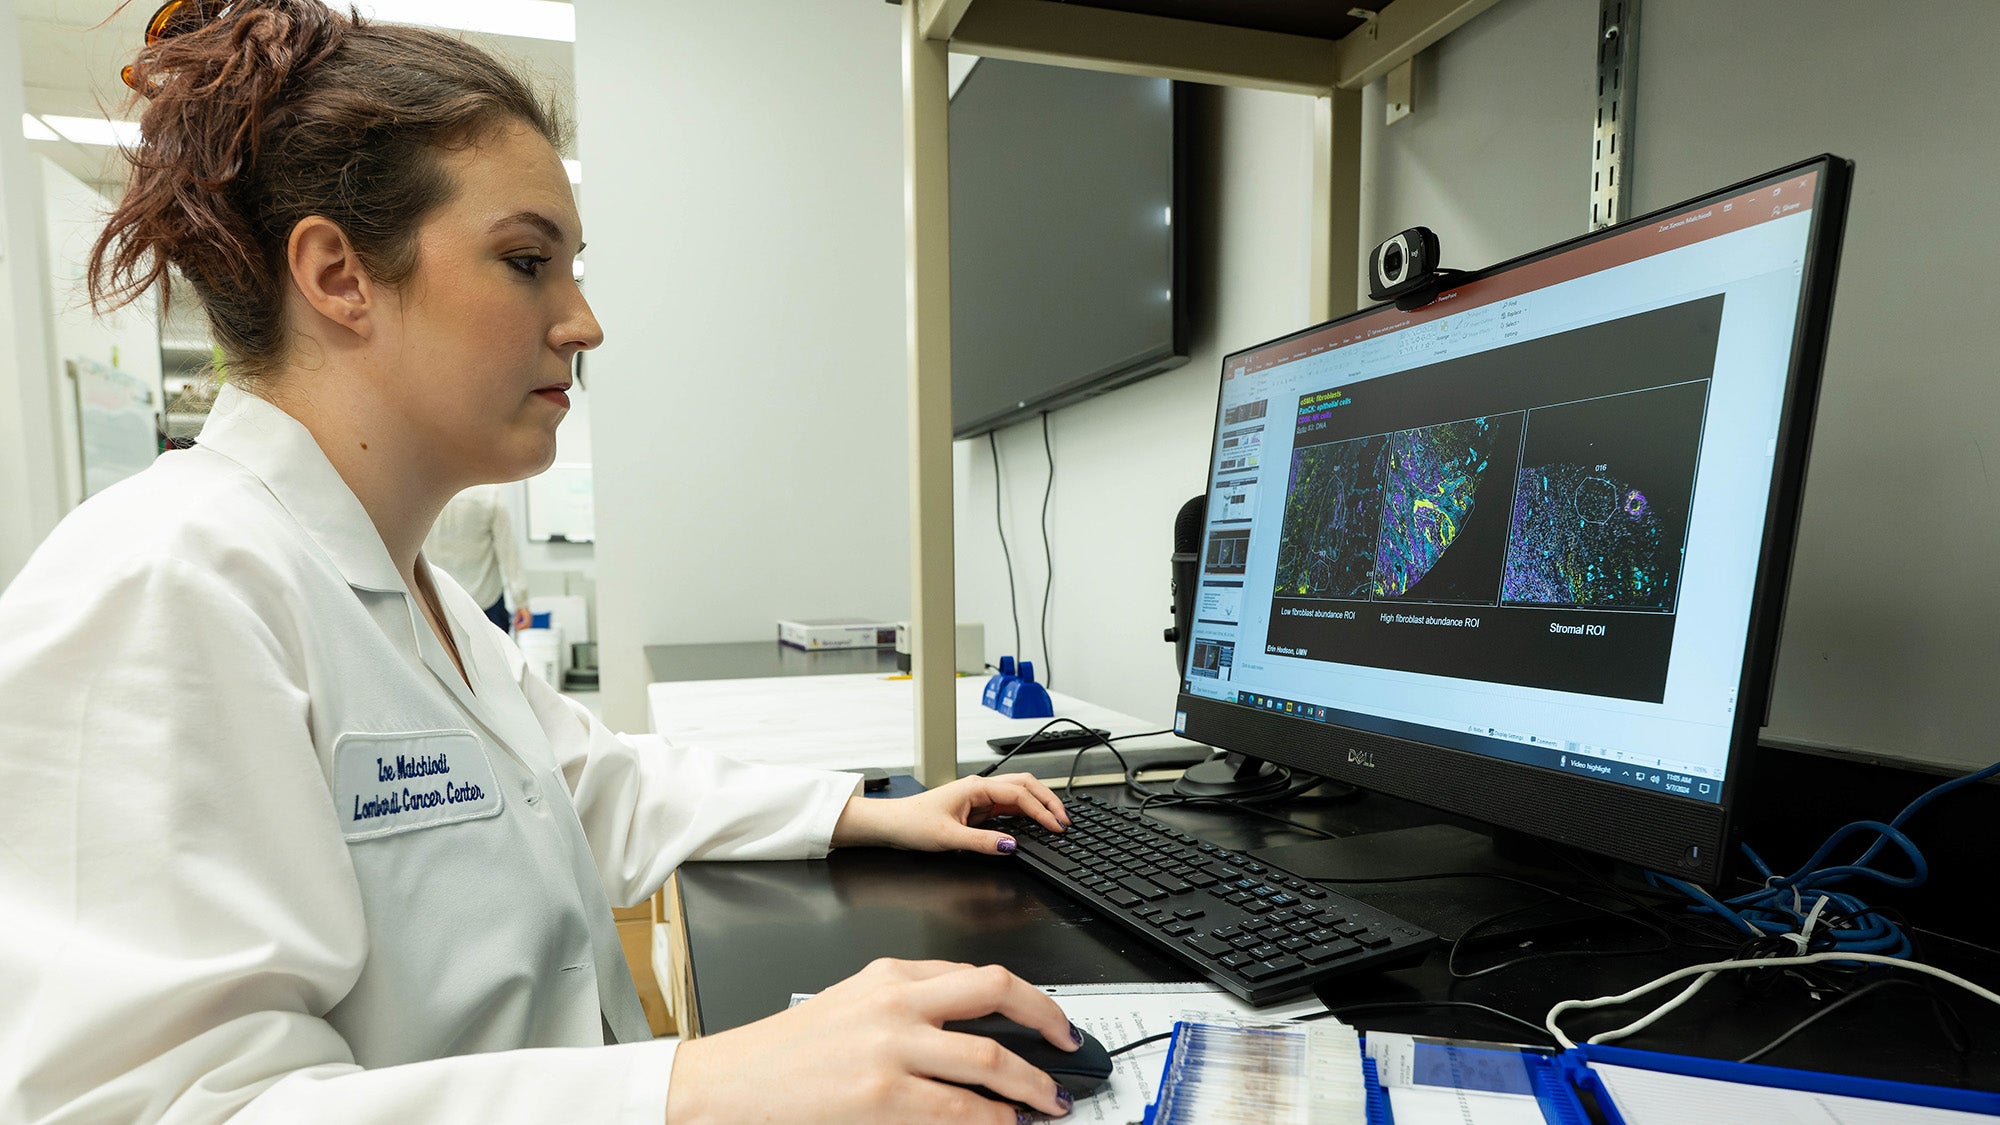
[{"x": 281, "y": 109}]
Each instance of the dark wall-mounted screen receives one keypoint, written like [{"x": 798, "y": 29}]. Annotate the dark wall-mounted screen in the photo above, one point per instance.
[{"x": 1065, "y": 245}]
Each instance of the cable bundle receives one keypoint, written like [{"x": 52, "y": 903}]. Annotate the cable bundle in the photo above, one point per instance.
[{"x": 1805, "y": 908}]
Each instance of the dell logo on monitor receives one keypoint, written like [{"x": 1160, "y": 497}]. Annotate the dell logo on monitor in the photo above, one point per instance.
[{"x": 1361, "y": 757}]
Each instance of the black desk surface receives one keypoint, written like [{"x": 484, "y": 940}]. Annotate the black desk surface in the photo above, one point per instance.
[
  {"x": 758, "y": 932},
  {"x": 743, "y": 660}
]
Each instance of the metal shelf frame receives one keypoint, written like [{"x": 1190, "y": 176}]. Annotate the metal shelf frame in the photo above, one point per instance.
[{"x": 1332, "y": 71}]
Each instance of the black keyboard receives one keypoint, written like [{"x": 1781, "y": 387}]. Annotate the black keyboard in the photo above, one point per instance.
[{"x": 1257, "y": 930}]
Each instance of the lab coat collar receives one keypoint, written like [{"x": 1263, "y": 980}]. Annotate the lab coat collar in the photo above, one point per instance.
[{"x": 281, "y": 452}]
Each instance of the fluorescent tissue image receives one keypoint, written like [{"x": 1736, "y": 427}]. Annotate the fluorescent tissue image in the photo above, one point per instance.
[
  {"x": 1332, "y": 514},
  {"x": 1583, "y": 537},
  {"x": 1428, "y": 488}
]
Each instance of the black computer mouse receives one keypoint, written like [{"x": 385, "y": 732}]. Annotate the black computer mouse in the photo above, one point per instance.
[{"x": 1081, "y": 1071}]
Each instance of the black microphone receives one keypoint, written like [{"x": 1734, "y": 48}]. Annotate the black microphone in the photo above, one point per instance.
[{"x": 1188, "y": 526}]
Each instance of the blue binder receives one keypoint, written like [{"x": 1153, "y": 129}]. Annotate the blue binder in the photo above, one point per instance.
[{"x": 1564, "y": 1085}]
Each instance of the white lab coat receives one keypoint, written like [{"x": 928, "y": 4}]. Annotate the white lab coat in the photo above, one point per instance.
[{"x": 219, "y": 892}]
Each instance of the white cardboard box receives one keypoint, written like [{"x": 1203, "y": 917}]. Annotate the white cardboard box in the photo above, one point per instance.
[{"x": 837, "y": 632}]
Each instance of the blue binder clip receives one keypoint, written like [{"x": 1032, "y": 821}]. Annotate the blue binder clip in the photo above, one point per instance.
[
  {"x": 1026, "y": 699},
  {"x": 991, "y": 696}
]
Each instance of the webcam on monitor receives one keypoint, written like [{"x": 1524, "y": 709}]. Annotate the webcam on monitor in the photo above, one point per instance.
[{"x": 1404, "y": 269}]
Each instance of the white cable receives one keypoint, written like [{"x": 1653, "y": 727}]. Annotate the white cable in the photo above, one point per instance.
[
  {"x": 1714, "y": 967},
  {"x": 1654, "y": 1016}
]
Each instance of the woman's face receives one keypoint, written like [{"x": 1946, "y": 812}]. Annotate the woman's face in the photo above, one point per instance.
[{"x": 477, "y": 351}]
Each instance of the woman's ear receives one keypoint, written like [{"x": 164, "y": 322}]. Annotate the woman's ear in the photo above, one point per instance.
[{"x": 329, "y": 276}]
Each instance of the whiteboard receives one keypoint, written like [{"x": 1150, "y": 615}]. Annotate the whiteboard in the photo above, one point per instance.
[
  {"x": 117, "y": 428},
  {"x": 559, "y": 505}
]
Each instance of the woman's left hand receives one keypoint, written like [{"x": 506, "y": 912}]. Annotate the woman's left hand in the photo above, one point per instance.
[{"x": 945, "y": 819}]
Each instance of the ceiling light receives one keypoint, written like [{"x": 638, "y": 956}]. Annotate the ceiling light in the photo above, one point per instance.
[
  {"x": 529, "y": 19},
  {"x": 575, "y": 170},
  {"x": 33, "y": 129},
  {"x": 94, "y": 130}
]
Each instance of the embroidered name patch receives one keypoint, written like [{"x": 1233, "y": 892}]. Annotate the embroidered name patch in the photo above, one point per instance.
[{"x": 389, "y": 783}]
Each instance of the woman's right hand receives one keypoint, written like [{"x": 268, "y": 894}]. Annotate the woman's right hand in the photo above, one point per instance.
[{"x": 872, "y": 1048}]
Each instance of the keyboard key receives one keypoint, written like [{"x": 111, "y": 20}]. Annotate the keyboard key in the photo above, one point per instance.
[
  {"x": 1290, "y": 945},
  {"x": 1321, "y": 954},
  {"x": 1259, "y": 970},
  {"x": 1262, "y": 952},
  {"x": 1235, "y": 960},
  {"x": 1141, "y": 887},
  {"x": 1176, "y": 928},
  {"x": 1123, "y": 898},
  {"x": 1207, "y": 946}
]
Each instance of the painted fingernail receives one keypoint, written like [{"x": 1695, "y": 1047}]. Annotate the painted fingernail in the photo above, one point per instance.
[
  {"x": 1066, "y": 1098},
  {"x": 1006, "y": 846},
  {"x": 1021, "y": 1117},
  {"x": 1076, "y": 1033}
]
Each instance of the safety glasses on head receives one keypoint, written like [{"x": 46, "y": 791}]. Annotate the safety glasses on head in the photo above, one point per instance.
[{"x": 175, "y": 17}]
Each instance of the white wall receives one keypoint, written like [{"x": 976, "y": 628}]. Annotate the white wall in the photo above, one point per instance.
[
  {"x": 1127, "y": 461},
  {"x": 1892, "y": 633},
  {"x": 744, "y": 215},
  {"x": 128, "y": 339},
  {"x": 30, "y": 493}
]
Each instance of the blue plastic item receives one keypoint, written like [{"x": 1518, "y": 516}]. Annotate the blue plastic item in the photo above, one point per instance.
[
  {"x": 1026, "y": 699},
  {"x": 540, "y": 620},
  {"x": 991, "y": 696}
]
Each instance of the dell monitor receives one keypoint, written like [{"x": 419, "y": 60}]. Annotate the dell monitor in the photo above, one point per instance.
[{"x": 1519, "y": 554}]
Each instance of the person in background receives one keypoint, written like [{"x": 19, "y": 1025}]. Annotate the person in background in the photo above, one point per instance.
[
  {"x": 286, "y": 834},
  {"x": 473, "y": 541}
]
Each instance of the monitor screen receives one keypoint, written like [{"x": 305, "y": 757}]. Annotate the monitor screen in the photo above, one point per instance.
[
  {"x": 1519, "y": 554},
  {"x": 1067, "y": 261}
]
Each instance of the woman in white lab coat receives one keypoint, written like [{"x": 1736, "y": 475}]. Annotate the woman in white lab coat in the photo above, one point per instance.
[{"x": 286, "y": 833}]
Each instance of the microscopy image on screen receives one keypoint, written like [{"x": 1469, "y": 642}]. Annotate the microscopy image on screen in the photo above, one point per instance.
[
  {"x": 1444, "y": 509},
  {"x": 1374, "y": 517},
  {"x": 1601, "y": 507},
  {"x": 1333, "y": 513}
]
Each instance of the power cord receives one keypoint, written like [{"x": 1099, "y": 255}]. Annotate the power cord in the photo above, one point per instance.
[
  {"x": 1383, "y": 1006},
  {"x": 1028, "y": 744},
  {"x": 993, "y": 447},
  {"x": 1452, "y": 968},
  {"x": 1948, "y": 1017},
  {"x": 1707, "y": 972},
  {"x": 1425, "y": 1005}
]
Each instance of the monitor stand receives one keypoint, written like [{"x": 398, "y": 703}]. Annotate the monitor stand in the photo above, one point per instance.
[
  {"x": 1232, "y": 775},
  {"x": 1446, "y": 907}
]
